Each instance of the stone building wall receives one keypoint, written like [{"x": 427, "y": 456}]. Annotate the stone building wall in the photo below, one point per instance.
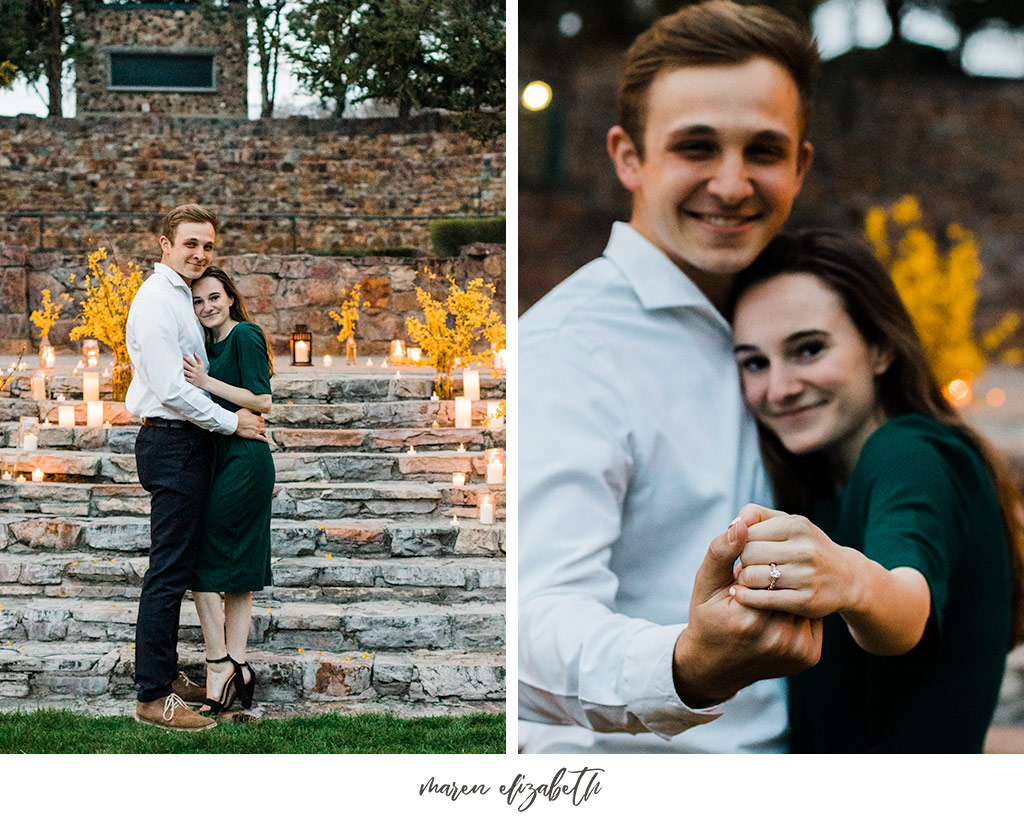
[
  {"x": 951, "y": 140},
  {"x": 161, "y": 29},
  {"x": 350, "y": 183},
  {"x": 280, "y": 290}
]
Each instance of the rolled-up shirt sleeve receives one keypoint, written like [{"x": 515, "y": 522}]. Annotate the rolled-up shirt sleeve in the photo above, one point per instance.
[
  {"x": 158, "y": 363},
  {"x": 580, "y": 661}
]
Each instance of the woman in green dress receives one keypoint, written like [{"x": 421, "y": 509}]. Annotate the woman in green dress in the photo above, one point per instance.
[
  {"x": 234, "y": 560},
  {"x": 904, "y": 533}
]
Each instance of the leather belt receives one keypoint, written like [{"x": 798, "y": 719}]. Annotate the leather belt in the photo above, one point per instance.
[{"x": 165, "y": 423}]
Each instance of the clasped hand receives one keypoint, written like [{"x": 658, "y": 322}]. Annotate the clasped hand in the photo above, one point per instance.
[{"x": 813, "y": 575}]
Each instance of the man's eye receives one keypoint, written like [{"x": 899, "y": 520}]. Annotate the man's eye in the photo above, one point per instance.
[{"x": 699, "y": 149}]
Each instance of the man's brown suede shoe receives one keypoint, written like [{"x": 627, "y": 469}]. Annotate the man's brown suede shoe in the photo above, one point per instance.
[
  {"x": 170, "y": 713},
  {"x": 188, "y": 690}
]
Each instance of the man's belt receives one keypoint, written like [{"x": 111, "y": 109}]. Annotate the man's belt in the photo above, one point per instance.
[{"x": 165, "y": 423}]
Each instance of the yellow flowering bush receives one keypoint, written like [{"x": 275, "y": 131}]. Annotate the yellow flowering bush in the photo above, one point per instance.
[
  {"x": 938, "y": 287},
  {"x": 108, "y": 297},
  {"x": 47, "y": 316},
  {"x": 452, "y": 326},
  {"x": 349, "y": 316}
]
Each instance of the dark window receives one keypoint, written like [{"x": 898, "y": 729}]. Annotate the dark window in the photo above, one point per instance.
[{"x": 161, "y": 71}]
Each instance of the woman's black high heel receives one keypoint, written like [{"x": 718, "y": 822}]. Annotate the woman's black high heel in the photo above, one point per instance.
[
  {"x": 245, "y": 690},
  {"x": 228, "y": 692}
]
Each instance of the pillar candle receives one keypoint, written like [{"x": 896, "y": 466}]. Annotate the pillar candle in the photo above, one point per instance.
[
  {"x": 38, "y": 386},
  {"x": 301, "y": 351},
  {"x": 31, "y": 441},
  {"x": 91, "y": 386},
  {"x": 37, "y": 475},
  {"x": 493, "y": 421},
  {"x": 495, "y": 471},
  {"x": 463, "y": 413},
  {"x": 94, "y": 414},
  {"x": 487, "y": 509},
  {"x": 65, "y": 416},
  {"x": 471, "y": 384},
  {"x": 458, "y": 479},
  {"x": 327, "y": 360},
  {"x": 397, "y": 350},
  {"x": 415, "y": 354}
]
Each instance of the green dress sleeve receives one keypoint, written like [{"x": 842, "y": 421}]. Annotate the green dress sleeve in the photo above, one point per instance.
[
  {"x": 916, "y": 496},
  {"x": 253, "y": 363}
]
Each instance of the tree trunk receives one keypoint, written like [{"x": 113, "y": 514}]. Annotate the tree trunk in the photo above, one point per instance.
[
  {"x": 892, "y": 10},
  {"x": 55, "y": 59}
]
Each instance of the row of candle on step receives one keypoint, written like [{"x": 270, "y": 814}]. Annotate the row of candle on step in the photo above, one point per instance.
[
  {"x": 37, "y": 475},
  {"x": 486, "y": 509},
  {"x": 90, "y": 386}
]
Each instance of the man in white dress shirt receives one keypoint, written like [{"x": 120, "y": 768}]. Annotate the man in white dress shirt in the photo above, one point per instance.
[
  {"x": 173, "y": 453},
  {"x": 635, "y": 450}
]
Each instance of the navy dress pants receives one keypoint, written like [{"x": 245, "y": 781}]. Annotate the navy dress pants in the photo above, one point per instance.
[{"x": 174, "y": 468}]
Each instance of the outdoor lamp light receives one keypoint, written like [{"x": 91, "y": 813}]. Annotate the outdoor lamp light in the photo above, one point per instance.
[{"x": 302, "y": 346}]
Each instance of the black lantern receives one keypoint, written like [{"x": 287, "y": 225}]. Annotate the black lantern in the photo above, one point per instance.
[{"x": 302, "y": 346}]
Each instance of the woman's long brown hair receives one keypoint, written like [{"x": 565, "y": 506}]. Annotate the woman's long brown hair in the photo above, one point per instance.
[
  {"x": 237, "y": 311},
  {"x": 845, "y": 264}
]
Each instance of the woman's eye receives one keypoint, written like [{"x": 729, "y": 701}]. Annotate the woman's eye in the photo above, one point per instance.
[
  {"x": 755, "y": 364},
  {"x": 810, "y": 349}
]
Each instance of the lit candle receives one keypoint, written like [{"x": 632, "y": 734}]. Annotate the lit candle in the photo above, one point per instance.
[
  {"x": 412, "y": 449},
  {"x": 493, "y": 421},
  {"x": 471, "y": 384},
  {"x": 47, "y": 357},
  {"x": 91, "y": 386},
  {"x": 384, "y": 364},
  {"x": 21, "y": 479},
  {"x": 463, "y": 413},
  {"x": 495, "y": 471},
  {"x": 458, "y": 479},
  {"x": 93, "y": 360},
  {"x": 397, "y": 350},
  {"x": 74, "y": 371},
  {"x": 499, "y": 359},
  {"x": 38, "y": 386},
  {"x": 487, "y": 508},
  {"x": 60, "y": 397},
  {"x": 328, "y": 360},
  {"x": 462, "y": 448},
  {"x": 301, "y": 351},
  {"x": 65, "y": 416},
  {"x": 106, "y": 424},
  {"x": 455, "y": 519},
  {"x": 434, "y": 397},
  {"x": 434, "y": 424},
  {"x": 30, "y": 442},
  {"x": 369, "y": 361},
  {"x": 91, "y": 351},
  {"x": 415, "y": 354},
  {"x": 94, "y": 414},
  {"x": 37, "y": 475},
  {"x": 6, "y": 475}
]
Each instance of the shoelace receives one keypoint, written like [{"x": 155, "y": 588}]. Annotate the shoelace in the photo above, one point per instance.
[{"x": 171, "y": 704}]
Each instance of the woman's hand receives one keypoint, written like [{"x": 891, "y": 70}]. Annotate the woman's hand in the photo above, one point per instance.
[
  {"x": 195, "y": 372},
  {"x": 813, "y": 575}
]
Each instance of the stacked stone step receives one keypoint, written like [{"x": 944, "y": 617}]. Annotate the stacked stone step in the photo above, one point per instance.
[{"x": 387, "y": 588}]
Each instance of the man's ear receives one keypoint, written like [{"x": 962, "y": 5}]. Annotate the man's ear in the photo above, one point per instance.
[
  {"x": 804, "y": 156},
  {"x": 165, "y": 244},
  {"x": 624, "y": 155}
]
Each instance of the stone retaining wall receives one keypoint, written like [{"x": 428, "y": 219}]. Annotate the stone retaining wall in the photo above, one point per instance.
[
  {"x": 281, "y": 291},
  {"x": 353, "y": 183}
]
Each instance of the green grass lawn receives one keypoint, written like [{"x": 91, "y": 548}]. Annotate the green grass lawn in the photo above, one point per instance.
[{"x": 50, "y": 731}]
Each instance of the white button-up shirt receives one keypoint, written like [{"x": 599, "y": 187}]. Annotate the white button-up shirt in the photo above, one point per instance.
[
  {"x": 162, "y": 326},
  {"x": 635, "y": 452}
]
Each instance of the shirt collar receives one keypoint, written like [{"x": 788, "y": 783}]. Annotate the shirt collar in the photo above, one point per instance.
[
  {"x": 171, "y": 276},
  {"x": 657, "y": 281}
]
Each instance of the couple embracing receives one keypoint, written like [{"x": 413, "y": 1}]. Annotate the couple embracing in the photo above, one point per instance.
[
  {"x": 201, "y": 384},
  {"x": 750, "y": 521}
]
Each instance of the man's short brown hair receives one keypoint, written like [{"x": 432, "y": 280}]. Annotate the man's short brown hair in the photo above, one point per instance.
[
  {"x": 714, "y": 33},
  {"x": 188, "y": 213}
]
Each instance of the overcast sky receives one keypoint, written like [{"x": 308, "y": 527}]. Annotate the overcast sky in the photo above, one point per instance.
[{"x": 839, "y": 25}]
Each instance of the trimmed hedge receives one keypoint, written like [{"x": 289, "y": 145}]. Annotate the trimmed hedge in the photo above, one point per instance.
[
  {"x": 365, "y": 251},
  {"x": 448, "y": 236}
]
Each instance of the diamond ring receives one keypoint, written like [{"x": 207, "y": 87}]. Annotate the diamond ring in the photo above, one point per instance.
[{"x": 773, "y": 576}]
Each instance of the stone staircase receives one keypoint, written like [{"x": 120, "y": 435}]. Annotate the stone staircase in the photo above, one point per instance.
[{"x": 388, "y": 591}]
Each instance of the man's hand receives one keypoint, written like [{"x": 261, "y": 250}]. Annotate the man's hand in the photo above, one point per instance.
[
  {"x": 727, "y": 646},
  {"x": 250, "y": 426}
]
